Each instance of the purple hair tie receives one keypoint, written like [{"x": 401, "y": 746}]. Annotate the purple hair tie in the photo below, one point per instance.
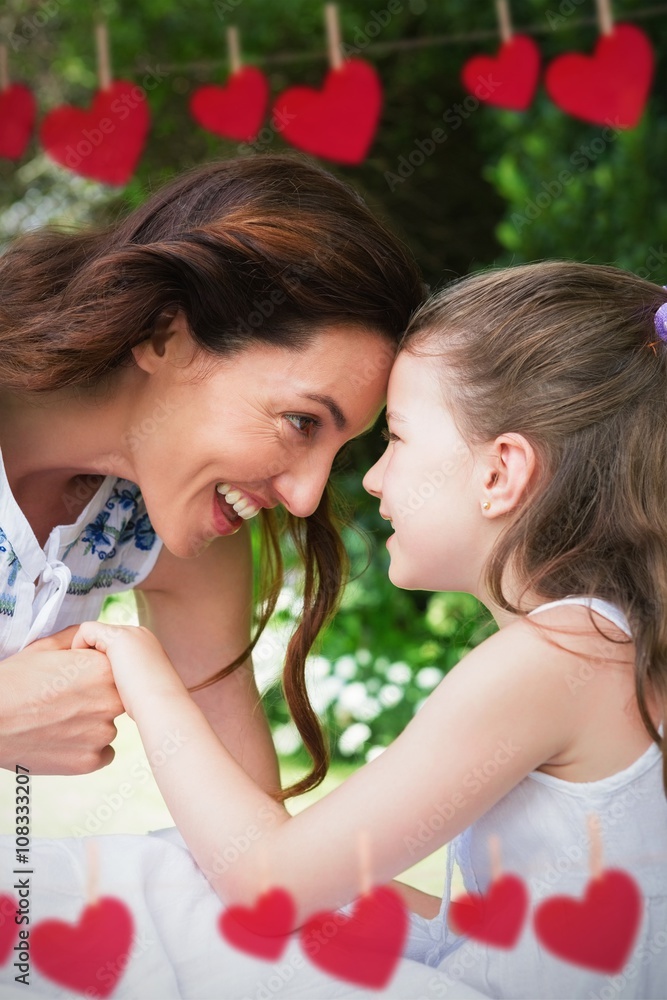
[{"x": 661, "y": 320}]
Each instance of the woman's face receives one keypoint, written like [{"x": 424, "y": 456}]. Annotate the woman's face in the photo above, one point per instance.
[{"x": 265, "y": 424}]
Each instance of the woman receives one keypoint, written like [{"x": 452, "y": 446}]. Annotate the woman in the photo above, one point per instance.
[{"x": 164, "y": 380}]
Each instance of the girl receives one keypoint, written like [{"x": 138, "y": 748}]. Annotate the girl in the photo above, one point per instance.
[{"x": 532, "y": 403}]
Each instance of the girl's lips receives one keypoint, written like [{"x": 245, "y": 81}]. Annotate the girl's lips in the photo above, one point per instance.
[{"x": 225, "y": 518}]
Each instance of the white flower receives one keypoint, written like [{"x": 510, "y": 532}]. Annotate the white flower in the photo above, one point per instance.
[
  {"x": 286, "y": 738},
  {"x": 353, "y": 738},
  {"x": 346, "y": 667},
  {"x": 399, "y": 673},
  {"x": 374, "y": 752},
  {"x": 428, "y": 677},
  {"x": 324, "y": 691},
  {"x": 364, "y": 657},
  {"x": 390, "y": 694},
  {"x": 285, "y": 598},
  {"x": 317, "y": 666},
  {"x": 352, "y": 696},
  {"x": 368, "y": 710}
]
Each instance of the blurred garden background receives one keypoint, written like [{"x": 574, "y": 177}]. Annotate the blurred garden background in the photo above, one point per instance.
[{"x": 502, "y": 187}]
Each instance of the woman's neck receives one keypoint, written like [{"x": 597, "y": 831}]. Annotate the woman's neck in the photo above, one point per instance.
[{"x": 48, "y": 439}]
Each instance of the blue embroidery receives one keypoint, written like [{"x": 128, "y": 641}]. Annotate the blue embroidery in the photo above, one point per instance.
[
  {"x": 104, "y": 539},
  {"x": 8, "y": 601},
  {"x": 99, "y": 535},
  {"x": 81, "y": 585},
  {"x": 144, "y": 536},
  {"x": 101, "y": 538}
]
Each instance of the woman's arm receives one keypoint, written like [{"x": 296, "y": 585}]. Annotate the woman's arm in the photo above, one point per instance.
[
  {"x": 504, "y": 710},
  {"x": 201, "y": 611}
]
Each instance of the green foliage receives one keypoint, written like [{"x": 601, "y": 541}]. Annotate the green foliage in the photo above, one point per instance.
[{"x": 500, "y": 188}]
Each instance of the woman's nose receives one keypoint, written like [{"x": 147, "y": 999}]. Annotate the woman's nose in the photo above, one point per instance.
[{"x": 301, "y": 492}]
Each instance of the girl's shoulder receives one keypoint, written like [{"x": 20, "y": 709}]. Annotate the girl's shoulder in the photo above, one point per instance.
[{"x": 596, "y": 662}]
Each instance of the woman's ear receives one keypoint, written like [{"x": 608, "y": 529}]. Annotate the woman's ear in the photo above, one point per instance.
[
  {"x": 170, "y": 331},
  {"x": 508, "y": 474}
]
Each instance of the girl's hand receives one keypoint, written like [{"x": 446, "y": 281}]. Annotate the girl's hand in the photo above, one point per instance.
[{"x": 140, "y": 666}]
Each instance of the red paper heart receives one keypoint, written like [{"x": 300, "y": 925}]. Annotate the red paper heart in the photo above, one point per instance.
[
  {"x": 496, "y": 918},
  {"x": 364, "y": 947},
  {"x": 235, "y": 111},
  {"x": 90, "y": 955},
  {"x": 508, "y": 80},
  {"x": 262, "y": 930},
  {"x": 338, "y": 122},
  {"x": 597, "y": 931},
  {"x": 17, "y": 117},
  {"x": 611, "y": 86},
  {"x": 104, "y": 143},
  {"x": 9, "y": 929}
]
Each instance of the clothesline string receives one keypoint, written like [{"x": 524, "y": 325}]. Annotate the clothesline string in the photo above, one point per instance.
[{"x": 399, "y": 45}]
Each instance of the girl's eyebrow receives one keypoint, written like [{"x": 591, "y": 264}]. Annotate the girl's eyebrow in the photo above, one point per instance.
[{"x": 396, "y": 417}]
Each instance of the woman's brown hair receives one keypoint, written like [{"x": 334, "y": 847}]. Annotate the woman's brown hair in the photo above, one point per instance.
[
  {"x": 567, "y": 355},
  {"x": 265, "y": 248}
]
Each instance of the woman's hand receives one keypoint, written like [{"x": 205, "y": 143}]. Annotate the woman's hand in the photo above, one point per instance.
[
  {"x": 57, "y": 707},
  {"x": 139, "y": 664}
]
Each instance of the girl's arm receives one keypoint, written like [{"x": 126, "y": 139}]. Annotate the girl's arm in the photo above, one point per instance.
[
  {"x": 201, "y": 611},
  {"x": 505, "y": 709}
]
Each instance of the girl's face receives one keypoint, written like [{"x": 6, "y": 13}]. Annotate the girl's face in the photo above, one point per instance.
[
  {"x": 267, "y": 423},
  {"x": 427, "y": 485}
]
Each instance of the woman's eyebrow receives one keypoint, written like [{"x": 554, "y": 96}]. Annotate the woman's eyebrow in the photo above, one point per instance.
[{"x": 332, "y": 406}]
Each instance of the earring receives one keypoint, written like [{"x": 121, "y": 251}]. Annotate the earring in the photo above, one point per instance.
[{"x": 486, "y": 505}]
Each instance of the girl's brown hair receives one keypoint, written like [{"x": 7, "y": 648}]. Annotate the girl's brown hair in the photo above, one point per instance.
[
  {"x": 266, "y": 248},
  {"x": 567, "y": 355}
]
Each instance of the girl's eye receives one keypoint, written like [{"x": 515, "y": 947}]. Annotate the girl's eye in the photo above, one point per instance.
[
  {"x": 387, "y": 435},
  {"x": 311, "y": 422}
]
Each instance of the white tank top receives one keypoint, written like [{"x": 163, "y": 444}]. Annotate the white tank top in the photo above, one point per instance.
[{"x": 542, "y": 826}]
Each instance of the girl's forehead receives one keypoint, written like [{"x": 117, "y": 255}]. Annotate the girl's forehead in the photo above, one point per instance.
[{"x": 413, "y": 378}]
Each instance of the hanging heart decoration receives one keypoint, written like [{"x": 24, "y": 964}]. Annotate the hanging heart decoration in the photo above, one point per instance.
[
  {"x": 337, "y": 122},
  {"x": 17, "y": 118},
  {"x": 364, "y": 947},
  {"x": 597, "y": 931},
  {"x": 610, "y": 87},
  {"x": 104, "y": 143},
  {"x": 262, "y": 930},
  {"x": 235, "y": 111},
  {"x": 509, "y": 79},
  {"x": 73, "y": 955},
  {"x": 9, "y": 929},
  {"x": 495, "y": 918}
]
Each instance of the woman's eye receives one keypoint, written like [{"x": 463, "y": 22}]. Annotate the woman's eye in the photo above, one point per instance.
[
  {"x": 311, "y": 424},
  {"x": 387, "y": 435}
]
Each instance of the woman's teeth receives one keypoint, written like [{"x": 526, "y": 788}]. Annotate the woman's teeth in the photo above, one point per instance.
[{"x": 244, "y": 508}]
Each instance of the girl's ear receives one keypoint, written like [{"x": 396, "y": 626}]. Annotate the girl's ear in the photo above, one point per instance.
[{"x": 508, "y": 474}]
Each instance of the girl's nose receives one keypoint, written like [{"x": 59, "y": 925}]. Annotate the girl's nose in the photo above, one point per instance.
[{"x": 372, "y": 481}]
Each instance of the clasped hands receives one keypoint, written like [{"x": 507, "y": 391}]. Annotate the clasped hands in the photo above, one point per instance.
[{"x": 60, "y": 694}]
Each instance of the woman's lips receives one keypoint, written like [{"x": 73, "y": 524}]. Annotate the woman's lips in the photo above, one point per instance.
[{"x": 225, "y": 517}]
